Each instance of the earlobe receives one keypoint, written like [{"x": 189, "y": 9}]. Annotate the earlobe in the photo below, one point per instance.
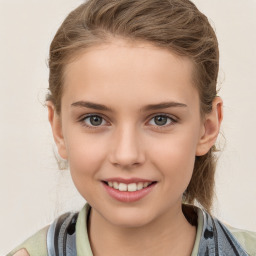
[
  {"x": 211, "y": 127},
  {"x": 57, "y": 132}
]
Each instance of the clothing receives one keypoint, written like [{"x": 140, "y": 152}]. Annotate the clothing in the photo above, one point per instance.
[{"x": 212, "y": 238}]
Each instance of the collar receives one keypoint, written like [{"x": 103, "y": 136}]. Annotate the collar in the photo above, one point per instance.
[{"x": 212, "y": 237}]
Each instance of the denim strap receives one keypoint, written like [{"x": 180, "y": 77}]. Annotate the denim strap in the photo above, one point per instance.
[
  {"x": 61, "y": 236},
  {"x": 217, "y": 240}
]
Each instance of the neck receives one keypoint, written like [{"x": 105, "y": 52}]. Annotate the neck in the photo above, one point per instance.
[{"x": 163, "y": 236}]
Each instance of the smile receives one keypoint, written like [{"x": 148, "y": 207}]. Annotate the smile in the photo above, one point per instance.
[
  {"x": 128, "y": 187},
  {"x": 130, "y": 190}
]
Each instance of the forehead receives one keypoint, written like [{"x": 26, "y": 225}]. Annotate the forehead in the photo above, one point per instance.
[{"x": 129, "y": 70}]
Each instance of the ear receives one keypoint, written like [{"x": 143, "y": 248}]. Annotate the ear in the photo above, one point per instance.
[
  {"x": 211, "y": 127},
  {"x": 57, "y": 132}
]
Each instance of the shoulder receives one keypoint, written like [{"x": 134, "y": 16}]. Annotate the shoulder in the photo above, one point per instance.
[
  {"x": 222, "y": 239},
  {"x": 44, "y": 241},
  {"x": 247, "y": 239},
  {"x": 21, "y": 252},
  {"x": 34, "y": 245}
]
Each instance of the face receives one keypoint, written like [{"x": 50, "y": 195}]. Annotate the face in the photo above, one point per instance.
[{"x": 130, "y": 118}]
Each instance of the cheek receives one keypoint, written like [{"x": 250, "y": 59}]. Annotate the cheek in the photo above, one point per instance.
[
  {"x": 85, "y": 155},
  {"x": 85, "y": 152},
  {"x": 174, "y": 157}
]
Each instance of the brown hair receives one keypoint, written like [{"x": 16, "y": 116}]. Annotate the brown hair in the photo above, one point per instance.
[{"x": 173, "y": 24}]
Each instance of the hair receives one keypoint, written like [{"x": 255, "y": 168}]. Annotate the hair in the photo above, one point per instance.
[{"x": 176, "y": 25}]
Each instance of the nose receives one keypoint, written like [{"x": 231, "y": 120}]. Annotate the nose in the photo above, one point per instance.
[{"x": 127, "y": 149}]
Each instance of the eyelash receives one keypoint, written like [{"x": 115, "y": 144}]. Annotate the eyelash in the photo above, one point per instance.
[{"x": 172, "y": 121}]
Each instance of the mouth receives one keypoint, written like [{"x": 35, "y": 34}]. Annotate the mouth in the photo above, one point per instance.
[
  {"x": 129, "y": 190},
  {"x": 129, "y": 187}
]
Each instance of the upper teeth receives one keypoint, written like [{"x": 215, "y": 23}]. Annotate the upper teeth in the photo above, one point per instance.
[{"x": 128, "y": 187}]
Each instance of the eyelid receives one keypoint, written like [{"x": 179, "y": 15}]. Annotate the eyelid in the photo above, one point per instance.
[
  {"x": 171, "y": 117},
  {"x": 83, "y": 117},
  {"x": 174, "y": 118}
]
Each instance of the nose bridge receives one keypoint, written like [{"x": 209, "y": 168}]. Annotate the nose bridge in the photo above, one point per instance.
[{"x": 126, "y": 148}]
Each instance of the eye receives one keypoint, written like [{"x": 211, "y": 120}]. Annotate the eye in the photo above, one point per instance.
[
  {"x": 162, "y": 120},
  {"x": 93, "y": 121}
]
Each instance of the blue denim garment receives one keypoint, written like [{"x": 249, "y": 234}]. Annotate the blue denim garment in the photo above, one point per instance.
[{"x": 217, "y": 240}]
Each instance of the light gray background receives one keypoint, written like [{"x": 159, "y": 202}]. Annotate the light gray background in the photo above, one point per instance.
[{"x": 33, "y": 191}]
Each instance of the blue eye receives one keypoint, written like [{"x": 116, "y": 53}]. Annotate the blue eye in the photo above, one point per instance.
[
  {"x": 162, "y": 120},
  {"x": 93, "y": 120}
]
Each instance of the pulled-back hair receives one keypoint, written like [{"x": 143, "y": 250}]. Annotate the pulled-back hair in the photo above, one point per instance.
[{"x": 176, "y": 25}]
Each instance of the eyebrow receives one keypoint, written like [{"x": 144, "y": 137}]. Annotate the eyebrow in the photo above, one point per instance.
[
  {"x": 87, "y": 104},
  {"x": 162, "y": 105}
]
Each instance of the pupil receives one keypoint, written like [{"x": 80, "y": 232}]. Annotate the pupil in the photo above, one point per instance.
[
  {"x": 95, "y": 120},
  {"x": 160, "y": 120}
]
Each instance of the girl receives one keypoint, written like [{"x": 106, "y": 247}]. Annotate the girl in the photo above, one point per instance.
[{"x": 134, "y": 109}]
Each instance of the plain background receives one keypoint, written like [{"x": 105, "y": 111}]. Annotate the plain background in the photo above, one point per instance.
[{"x": 32, "y": 189}]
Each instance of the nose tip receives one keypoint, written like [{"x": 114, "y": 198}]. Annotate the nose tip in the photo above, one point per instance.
[
  {"x": 126, "y": 157},
  {"x": 127, "y": 151}
]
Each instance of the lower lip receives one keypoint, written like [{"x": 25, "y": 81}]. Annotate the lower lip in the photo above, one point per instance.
[{"x": 125, "y": 196}]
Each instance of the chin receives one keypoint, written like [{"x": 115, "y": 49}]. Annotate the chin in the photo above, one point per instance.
[{"x": 130, "y": 218}]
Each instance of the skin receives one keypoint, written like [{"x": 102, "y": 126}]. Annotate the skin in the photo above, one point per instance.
[
  {"x": 22, "y": 252},
  {"x": 129, "y": 142}
]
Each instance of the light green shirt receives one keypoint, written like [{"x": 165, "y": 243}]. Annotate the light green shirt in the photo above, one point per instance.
[{"x": 36, "y": 245}]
